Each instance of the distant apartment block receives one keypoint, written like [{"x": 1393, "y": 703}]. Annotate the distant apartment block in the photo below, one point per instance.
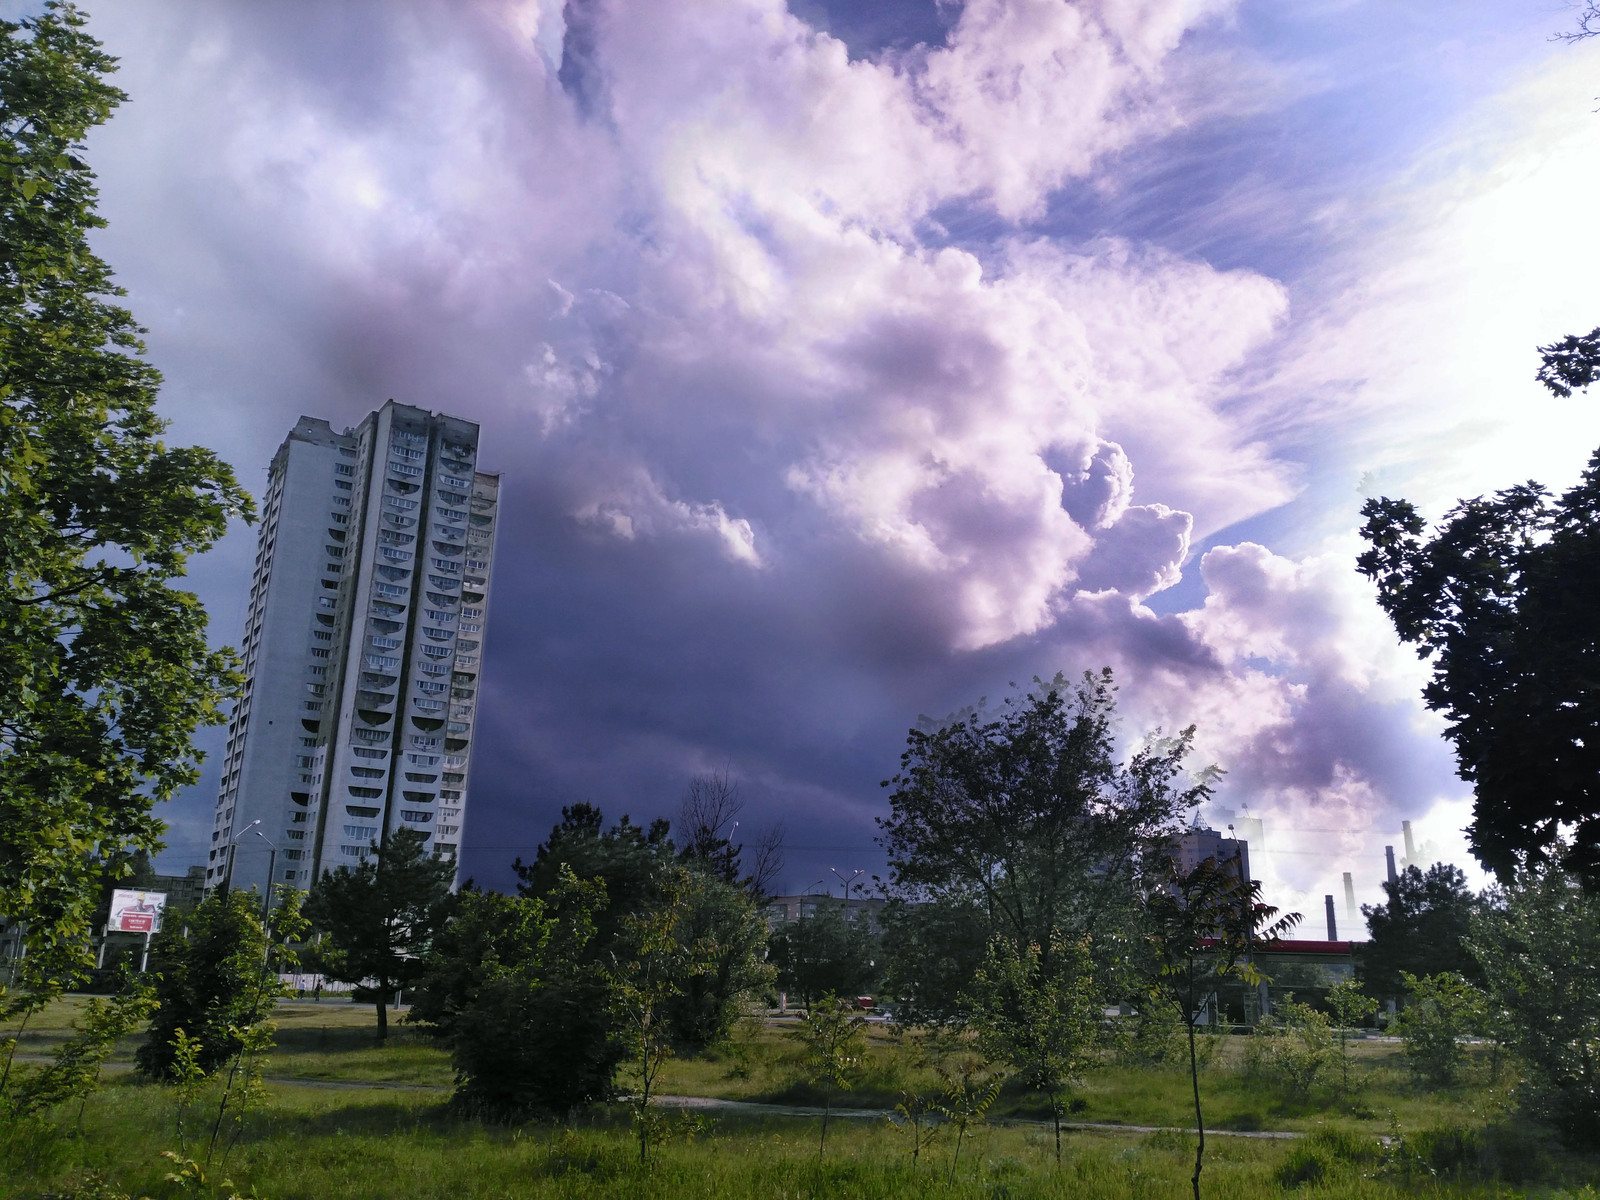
[
  {"x": 1196, "y": 844},
  {"x": 362, "y": 647}
]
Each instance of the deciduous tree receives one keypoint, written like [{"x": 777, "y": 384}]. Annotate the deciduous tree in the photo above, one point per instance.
[
  {"x": 1030, "y": 817},
  {"x": 1500, "y": 597},
  {"x": 104, "y": 668},
  {"x": 1040, "y": 1014},
  {"x": 1540, "y": 952},
  {"x": 1201, "y": 928}
]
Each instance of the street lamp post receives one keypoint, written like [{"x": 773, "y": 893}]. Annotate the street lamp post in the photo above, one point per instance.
[
  {"x": 272, "y": 862},
  {"x": 233, "y": 853},
  {"x": 846, "y": 883}
]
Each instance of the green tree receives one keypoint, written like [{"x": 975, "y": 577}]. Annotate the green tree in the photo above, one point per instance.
[
  {"x": 104, "y": 668},
  {"x": 931, "y": 950},
  {"x": 1041, "y": 1014},
  {"x": 379, "y": 917},
  {"x": 626, "y": 858},
  {"x": 969, "y": 1091},
  {"x": 1202, "y": 928},
  {"x": 1031, "y": 817},
  {"x": 1291, "y": 1047},
  {"x": 210, "y": 981},
  {"x": 654, "y": 960},
  {"x": 513, "y": 989},
  {"x": 1422, "y": 928},
  {"x": 1441, "y": 1012},
  {"x": 1350, "y": 1005},
  {"x": 721, "y": 918},
  {"x": 835, "y": 1049},
  {"x": 823, "y": 953},
  {"x": 1540, "y": 952},
  {"x": 1501, "y": 598}
]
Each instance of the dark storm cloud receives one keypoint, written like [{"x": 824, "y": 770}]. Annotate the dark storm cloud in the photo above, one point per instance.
[{"x": 787, "y": 464}]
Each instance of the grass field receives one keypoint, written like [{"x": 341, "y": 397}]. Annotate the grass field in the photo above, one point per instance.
[{"x": 345, "y": 1118}]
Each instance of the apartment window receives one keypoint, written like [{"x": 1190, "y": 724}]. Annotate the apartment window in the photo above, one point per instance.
[
  {"x": 344, "y": 485},
  {"x": 344, "y": 469},
  {"x": 368, "y": 772},
  {"x": 320, "y": 652},
  {"x": 363, "y": 752}
]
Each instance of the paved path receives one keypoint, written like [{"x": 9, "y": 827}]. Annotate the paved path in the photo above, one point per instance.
[{"x": 744, "y": 1108}]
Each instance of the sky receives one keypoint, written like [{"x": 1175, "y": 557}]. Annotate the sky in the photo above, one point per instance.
[{"x": 851, "y": 361}]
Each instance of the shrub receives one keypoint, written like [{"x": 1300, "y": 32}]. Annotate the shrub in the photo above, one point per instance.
[
  {"x": 528, "y": 1019},
  {"x": 1305, "y": 1164},
  {"x": 1441, "y": 1012},
  {"x": 1291, "y": 1048},
  {"x": 212, "y": 980}
]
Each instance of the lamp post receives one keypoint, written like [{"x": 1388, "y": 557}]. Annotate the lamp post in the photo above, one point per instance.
[
  {"x": 233, "y": 852},
  {"x": 846, "y": 883},
  {"x": 272, "y": 862}
]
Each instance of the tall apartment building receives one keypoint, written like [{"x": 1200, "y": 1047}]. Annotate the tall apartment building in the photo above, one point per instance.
[{"x": 362, "y": 647}]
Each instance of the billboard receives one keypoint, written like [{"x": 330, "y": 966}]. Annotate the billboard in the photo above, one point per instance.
[{"x": 135, "y": 912}]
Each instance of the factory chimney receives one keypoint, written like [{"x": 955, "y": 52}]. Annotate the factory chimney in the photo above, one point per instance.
[
  {"x": 1349, "y": 900},
  {"x": 1388, "y": 853},
  {"x": 1411, "y": 846},
  {"x": 1333, "y": 928}
]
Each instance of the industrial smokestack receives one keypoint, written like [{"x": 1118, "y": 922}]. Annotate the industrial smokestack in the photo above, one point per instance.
[
  {"x": 1411, "y": 846},
  {"x": 1388, "y": 853},
  {"x": 1333, "y": 928},
  {"x": 1349, "y": 900}
]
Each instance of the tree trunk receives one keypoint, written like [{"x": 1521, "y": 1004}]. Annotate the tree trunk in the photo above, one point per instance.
[
  {"x": 1199, "y": 1121},
  {"x": 383, "y": 1017},
  {"x": 1055, "y": 1111},
  {"x": 827, "y": 1104}
]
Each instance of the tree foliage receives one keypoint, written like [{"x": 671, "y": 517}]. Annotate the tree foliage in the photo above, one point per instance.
[
  {"x": 634, "y": 863},
  {"x": 1422, "y": 928},
  {"x": 513, "y": 989},
  {"x": 379, "y": 917},
  {"x": 217, "y": 976},
  {"x": 1501, "y": 598},
  {"x": 1041, "y": 1014},
  {"x": 1540, "y": 952},
  {"x": 1028, "y": 816},
  {"x": 834, "y": 1047},
  {"x": 824, "y": 953},
  {"x": 104, "y": 668},
  {"x": 1441, "y": 1012}
]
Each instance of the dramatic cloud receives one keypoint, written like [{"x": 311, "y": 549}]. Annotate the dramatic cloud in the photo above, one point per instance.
[{"x": 813, "y": 416}]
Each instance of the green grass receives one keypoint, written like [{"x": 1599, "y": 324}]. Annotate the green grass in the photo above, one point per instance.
[{"x": 387, "y": 1131}]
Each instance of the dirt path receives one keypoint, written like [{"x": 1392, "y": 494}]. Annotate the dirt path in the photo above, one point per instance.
[{"x": 744, "y": 1108}]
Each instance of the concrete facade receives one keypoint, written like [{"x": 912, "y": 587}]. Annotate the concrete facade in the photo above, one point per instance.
[{"x": 362, "y": 648}]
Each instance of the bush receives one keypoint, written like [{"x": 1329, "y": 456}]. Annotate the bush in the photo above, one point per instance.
[
  {"x": 210, "y": 980},
  {"x": 528, "y": 1019},
  {"x": 1305, "y": 1164},
  {"x": 1441, "y": 1011},
  {"x": 1347, "y": 1146},
  {"x": 1291, "y": 1048}
]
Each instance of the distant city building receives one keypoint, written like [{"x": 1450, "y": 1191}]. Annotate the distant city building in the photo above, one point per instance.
[
  {"x": 183, "y": 891},
  {"x": 1197, "y": 843},
  {"x": 362, "y": 648},
  {"x": 780, "y": 910}
]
